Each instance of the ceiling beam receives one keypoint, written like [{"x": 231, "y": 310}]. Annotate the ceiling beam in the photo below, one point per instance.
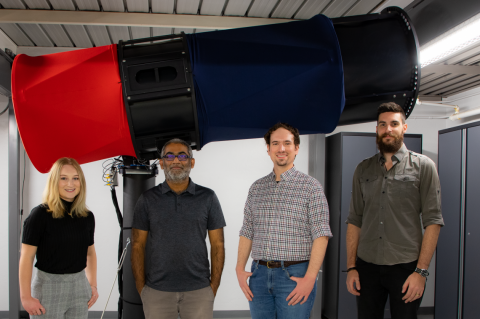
[
  {"x": 451, "y": 69},
  {"x": 132, "y": 19}
]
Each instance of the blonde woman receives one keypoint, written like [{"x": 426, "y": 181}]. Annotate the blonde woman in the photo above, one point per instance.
[{"x": 60, "y": 234}]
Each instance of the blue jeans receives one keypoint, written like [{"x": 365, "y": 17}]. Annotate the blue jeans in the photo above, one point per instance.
[{"x": 271, "y": 287}]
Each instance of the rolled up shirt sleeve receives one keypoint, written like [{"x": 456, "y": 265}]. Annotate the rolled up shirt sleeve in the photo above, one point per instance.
[
  {"x": 357, "y": 205},
  {"x": 318, "y": 213},
  {"x": 430, "y": 194},
  {"x": 247, "y": 227}
]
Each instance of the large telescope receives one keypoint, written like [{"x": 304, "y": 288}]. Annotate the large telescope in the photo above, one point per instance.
[{"x": 130, "y": 98}]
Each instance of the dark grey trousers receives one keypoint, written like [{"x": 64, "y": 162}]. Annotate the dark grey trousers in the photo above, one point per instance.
[{"x": 62, "y": 296}]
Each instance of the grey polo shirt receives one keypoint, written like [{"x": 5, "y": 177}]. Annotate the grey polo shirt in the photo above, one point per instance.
[
  {"x": 391, "y": 206},
  {"x": 176, "y": 257}
]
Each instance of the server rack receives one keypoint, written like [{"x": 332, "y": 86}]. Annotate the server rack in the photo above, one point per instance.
[{"x": 457, "y": 257}]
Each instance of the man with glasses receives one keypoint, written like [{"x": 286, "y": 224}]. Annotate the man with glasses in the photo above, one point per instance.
[
  {"x": 286, "y": 227},
  {"x": 169, "y": 253}
]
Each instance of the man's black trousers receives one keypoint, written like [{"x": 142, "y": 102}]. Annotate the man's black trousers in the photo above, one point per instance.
[{"x": 377, "y": 282}]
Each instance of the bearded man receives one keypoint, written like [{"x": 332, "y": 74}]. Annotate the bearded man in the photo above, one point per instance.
[
  {"x": 169, "y": 253},
  {"x": 395, "y": 193}
]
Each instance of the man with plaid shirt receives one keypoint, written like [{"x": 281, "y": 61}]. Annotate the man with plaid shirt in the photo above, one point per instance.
[{"x": 286, "y": 227}]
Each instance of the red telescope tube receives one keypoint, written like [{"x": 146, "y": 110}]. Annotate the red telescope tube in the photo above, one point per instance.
[{"x": 70, "y": 97}]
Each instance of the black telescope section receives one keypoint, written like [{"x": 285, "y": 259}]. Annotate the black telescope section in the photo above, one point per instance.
[
  {"x": 136, "y": 180},
  {"x": 380, "y": 54},
  {"x": 158, "y": 92}
]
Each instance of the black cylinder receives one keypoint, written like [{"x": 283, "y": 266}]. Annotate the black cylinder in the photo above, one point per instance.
[
  {"x": 158, "y": 92},
  {"x": 380, "y": 54},
  {"x": 133, "y": 186}
]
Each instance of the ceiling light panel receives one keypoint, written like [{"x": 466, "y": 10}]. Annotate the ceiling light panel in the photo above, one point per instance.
[
  {"x": 156, "y": 32},
  {"x": 457, "y": 39},
  {"x": 140, "y": 32},
  {"x": 338, "y": 8},
  {"x": 118, "y": 33},
  {"x": 363, "y": 7},
  {"x": 262, "y": 8},
  {"x": 286, "y": 9},
  {"x": 79, "y": 36},
  {"x": 237, "y": 7},
  {"x": 187, "y": 6},
  {"x": 62, "y": 5},
  {"x": 212, "y": 7},
  {"x": 137, "y": 6},
  {"x": 311, "y": 8},
  {"x": 179, "y": 30},
  {"x": 163, "y": 6},
  {"x": 88, "y": 5},
  {"x": 12, "y": 4},
  {"x": 57, "y": 34},
  {"x": 37, "y": 4},
  {"x": 36, "y": 34},
  {"x": 99, "y": 34},
  {"x": 15, "y": 34},
  {"x": 113, "y": 5}
]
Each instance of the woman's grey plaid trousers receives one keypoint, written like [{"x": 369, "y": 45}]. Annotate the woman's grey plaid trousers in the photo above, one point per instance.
[{"x": 62, "y": 296}]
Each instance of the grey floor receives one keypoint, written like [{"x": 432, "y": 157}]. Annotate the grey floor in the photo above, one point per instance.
[{"x": 419, "y": 317}]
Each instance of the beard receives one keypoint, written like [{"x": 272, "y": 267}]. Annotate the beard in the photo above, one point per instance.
[
  {"x": 391, "y": 147},
  {"x": 283, "y": 162},
  {"x": 177, "y": 176}
]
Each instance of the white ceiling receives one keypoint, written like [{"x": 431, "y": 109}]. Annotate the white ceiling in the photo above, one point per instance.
[
  {"x": 60, "y": 33},
  {"x": 101, "y": 24}
]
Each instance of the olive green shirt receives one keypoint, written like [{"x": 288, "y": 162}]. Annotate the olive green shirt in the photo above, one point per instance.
[{"x": 391, "y": 206}]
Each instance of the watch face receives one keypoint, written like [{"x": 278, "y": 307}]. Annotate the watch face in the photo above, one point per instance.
[{"x": 422, "y": 272}]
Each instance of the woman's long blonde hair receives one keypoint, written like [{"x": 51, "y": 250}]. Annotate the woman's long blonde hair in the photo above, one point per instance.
[{"x": 51, "y": 195}]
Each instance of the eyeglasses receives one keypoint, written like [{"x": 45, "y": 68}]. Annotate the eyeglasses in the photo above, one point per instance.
[{"x": 181, "y": 157}]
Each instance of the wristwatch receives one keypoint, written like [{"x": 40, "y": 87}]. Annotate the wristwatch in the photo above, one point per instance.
[{"x": 422, "y": 272}]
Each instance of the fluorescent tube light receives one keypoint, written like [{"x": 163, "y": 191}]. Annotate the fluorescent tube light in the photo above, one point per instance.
[{"x": 460, "y": 37}]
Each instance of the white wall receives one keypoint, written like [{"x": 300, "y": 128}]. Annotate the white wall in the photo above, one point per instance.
[
  {"x": 229, "y": 168},
  {"x": 5, "y": 42},
  {"x": 4, "y": 205}
]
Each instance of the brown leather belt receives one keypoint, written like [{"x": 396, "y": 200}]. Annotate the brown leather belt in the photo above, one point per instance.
[{"x": 278, "y": 264}]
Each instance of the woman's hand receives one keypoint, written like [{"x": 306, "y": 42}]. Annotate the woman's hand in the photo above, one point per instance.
[
  {"x": 33, "y": 306},
  {"x": 94, "y": 297}
]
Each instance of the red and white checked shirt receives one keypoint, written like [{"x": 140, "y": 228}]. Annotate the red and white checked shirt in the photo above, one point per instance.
[{"x": 283, "y": 219}]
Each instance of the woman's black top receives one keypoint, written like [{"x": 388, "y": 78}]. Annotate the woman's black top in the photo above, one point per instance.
[{"x": 62, "y": 243}]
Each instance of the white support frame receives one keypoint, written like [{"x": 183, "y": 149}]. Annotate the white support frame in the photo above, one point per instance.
[{"x": 132, "y": 19}]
